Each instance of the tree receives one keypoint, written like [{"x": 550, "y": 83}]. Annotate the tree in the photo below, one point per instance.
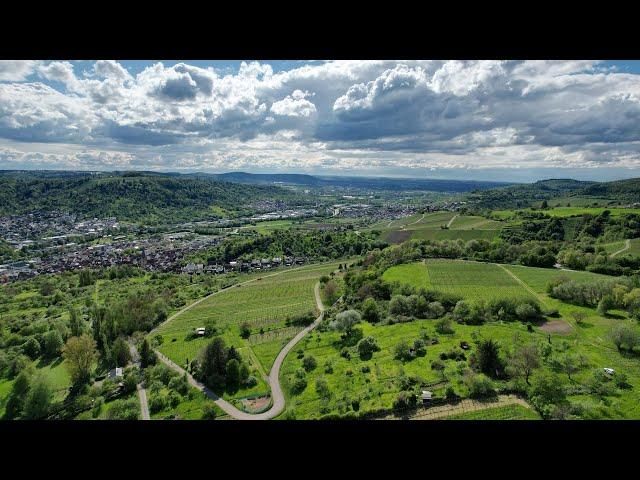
[
  {"x": 487, "y": 358},
  {"x": 331, "y": 292},
  {"x": 569, "y": 365},
  {"x": 80, "y": 353},
  {"x": 147, "y": 355},
  {"x": 52, "y": 343},
  {"x": 213, "y": 363},
  {"x": 19, "y": 390},
  {"x": 579, "y": 317},
  {"x": 309, "y": 363},
  {"x": 76, "y": 324},
  {"x": 345, "y": 321},
  {"x": 370, "y": 312},
  {"x": 525, "y": 360},
  {"x": 245, "y": 330},
  {"x": 547, "y": 392},
  {"x": 233, "y": 372},
  {"x": 624, "y": 335},
  {"x": 38, "y": 401},
  {"x": 605, "y": 304},
  {"x": 120, "y": 353},
  {"x": 366, "y": 347},
  {"x": 31, "y": 348}
]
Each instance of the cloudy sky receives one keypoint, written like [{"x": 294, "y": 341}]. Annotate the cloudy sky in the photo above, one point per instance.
[{"x": 497, "y": 120}]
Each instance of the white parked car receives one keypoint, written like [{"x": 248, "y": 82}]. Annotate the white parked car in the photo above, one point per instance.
[{"x": 609, "y": 371}]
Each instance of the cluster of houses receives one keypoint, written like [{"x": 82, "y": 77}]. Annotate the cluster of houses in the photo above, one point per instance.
[
  {"x": 242, "y": 266},
  {"x": 20, "y": 270},
  {"x": 22, "y": 231}
]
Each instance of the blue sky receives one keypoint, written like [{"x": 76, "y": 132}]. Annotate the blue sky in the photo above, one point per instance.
[{"x": 495, "y": 120}]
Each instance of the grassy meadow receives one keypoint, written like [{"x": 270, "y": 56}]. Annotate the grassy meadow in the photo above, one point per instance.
[{"x": 361, "y": 385}]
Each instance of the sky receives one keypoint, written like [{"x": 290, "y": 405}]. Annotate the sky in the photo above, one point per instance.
[{"x": 482, "y": 120}]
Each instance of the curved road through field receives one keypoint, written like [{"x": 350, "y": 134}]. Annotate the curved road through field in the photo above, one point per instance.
[{"x": 278, "y": 401}]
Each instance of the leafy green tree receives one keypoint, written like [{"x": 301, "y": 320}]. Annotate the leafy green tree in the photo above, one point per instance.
[
  {"x": 233, "y": 372},
  {"x": 345, "y": 321},
  {"x": 309, "y": 363},
  {"x": 487, "y": 358},
  {"x": 120, "y": 353},
  {"x": 524, "y": 360},
  {"x": 38, "y": 400},
  {"x": 52, "y": 343},
  {"x": 31, "y": 348},
  {"x": 80, "y": 353},
  {"x": 370, "y": 311},
  {"x": 624, "y": 336},
  {"x": 366, "y": 347},
  {"x": 147, "y": 355},
  {"x": 245, "y": 330},
  {"x": 547, "y": 393},
  {"x": 76, "y": 323},
  {"x": 605, "y": 304},
  {"x": 19, "y": 390}
]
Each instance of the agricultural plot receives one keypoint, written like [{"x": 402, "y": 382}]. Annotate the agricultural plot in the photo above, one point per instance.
[
  {"x": 466, "y": 279},
  {"x": 507, "y": 412},
  {"x": 468, "y": 222},
  {"x": 537, "y": 278},
  {"x": 429, "y": 227},
  {"x": 264, "y": 304}
]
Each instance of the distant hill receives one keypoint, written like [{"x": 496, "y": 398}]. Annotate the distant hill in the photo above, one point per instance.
[
  {"x": 133, "y": 196},
  {"x": 360, "y": 183},
  {"x": 526, "y": 195}
]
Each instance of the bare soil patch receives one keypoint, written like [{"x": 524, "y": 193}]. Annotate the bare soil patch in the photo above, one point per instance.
[{"x": 556, "y": 326}]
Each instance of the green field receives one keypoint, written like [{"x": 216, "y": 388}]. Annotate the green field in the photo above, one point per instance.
[
  {"x": 264, "y": 304},
  {"x": 430, "y": 227},
  {"x": 467, "y": 279},
  {"x": 634, "y": 248},
  {"x": 507, "y": 412},
  {"x": 373, "y": 384},
  {"x": 569, "y": 211}
]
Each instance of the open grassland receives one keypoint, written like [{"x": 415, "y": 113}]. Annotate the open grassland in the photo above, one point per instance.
[
  {"x": 358, "y": 386},
  {"x": 466, "y": 279},
  {"x": 264, "y": 304},
  {"x": 5, "y": 389}
]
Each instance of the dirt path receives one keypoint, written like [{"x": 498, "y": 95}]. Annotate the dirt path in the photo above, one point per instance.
[
  {"x": 452, "y": 219},
  {"x": 464, "y": 406},
  {"x": 521, "y": 282},
  {"x": 413, "y": 223},
  {"x": 278, "y": 400},
  {"x": 627, "y": 246},
  {"x": 142, "y": 393}
]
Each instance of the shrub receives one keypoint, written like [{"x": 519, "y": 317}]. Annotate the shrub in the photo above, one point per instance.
[
  {"x": 366, "y": 347},
  {"x": 309, "y": 363},
  {"x": 445, "y": 326},
  {"x": 480, "y": 386}
]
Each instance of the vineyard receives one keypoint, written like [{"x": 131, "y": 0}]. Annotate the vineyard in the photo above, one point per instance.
[
  {"x": 467, "y": 279},
  {"x": 264, "y": 304},
  {"x": 537, "y": 278}
]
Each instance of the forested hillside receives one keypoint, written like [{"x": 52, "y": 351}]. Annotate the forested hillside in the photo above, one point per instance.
[{"x": 131, "y": 196}]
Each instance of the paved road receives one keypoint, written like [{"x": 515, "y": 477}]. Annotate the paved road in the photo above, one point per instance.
[
  {"x": 627, "y": 246},
  {"x": 278, "y": 400},
  {"x": 142, "y": 393}
]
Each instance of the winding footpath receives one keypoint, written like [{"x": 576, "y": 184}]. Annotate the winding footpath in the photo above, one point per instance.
[
  {"x": 278, "y": 400},
  {"x": 627, "y": 246},
  {"x": 142, "y": 393}
]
